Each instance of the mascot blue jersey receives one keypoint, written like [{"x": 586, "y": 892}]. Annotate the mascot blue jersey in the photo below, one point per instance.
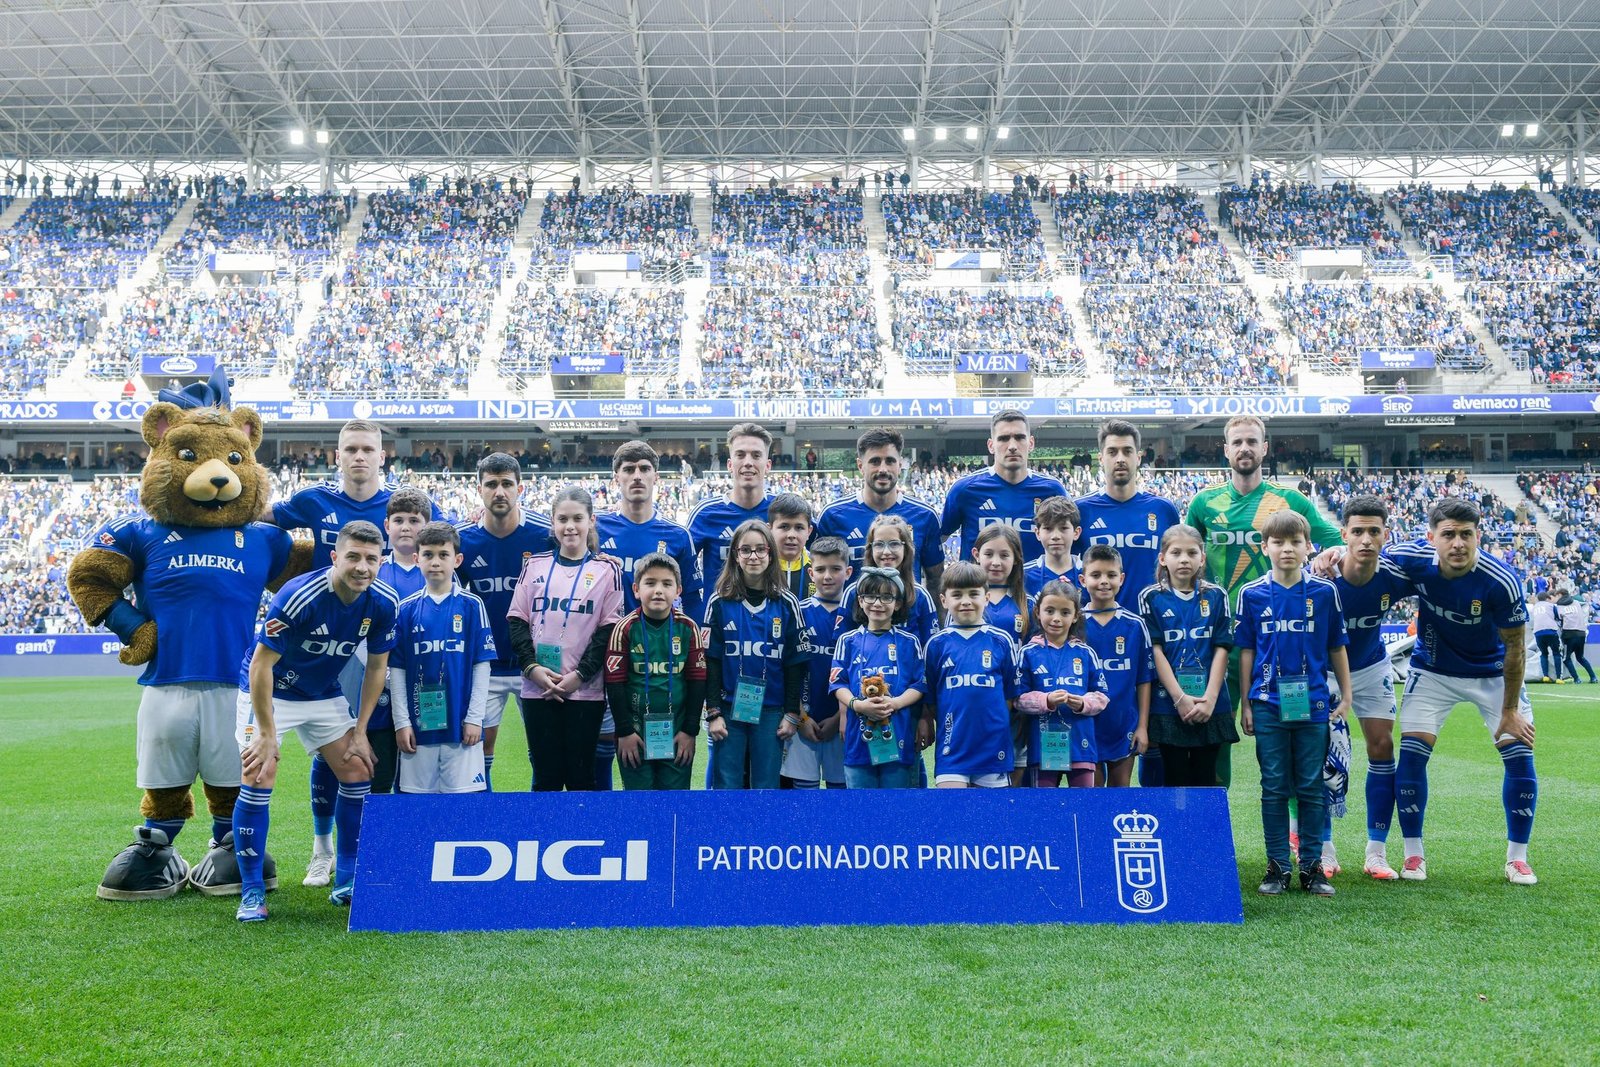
[
  {"x": 315, "y": 634},
  {"x": 490, "y": 567}
]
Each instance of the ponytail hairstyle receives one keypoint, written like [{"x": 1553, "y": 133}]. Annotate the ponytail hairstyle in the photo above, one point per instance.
[
  {"x": 579, "y": 495},
  {"x": 731, "y": 584},
  {"x": 1078, "y": 631},
  {"x": 908, "y": 558},
  {"x": 1179, "y": 532},
  {"x": 1016, "y": 586}
]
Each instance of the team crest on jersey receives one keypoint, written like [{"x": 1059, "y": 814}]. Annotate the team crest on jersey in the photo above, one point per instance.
[
  {"x": 1383, "y": 602},
  {"x": 1205, "y": 609},
  {"x": 988, "y": 661},
  {"x": 1122, "y": 647},
  {"x": 107, "y": 538},
  {"x": 457, "y": 624},
  {"x": 1308, "y": 607},
  {"x": 777, "y": 628},
  {"x": 238, "y": 539},
  {"x": 588, "y": 581},
  {"x": 661, "y": 546},
  {"x": 892, "y": 652},
  {"x": 1019, "y": 622},
  {"x": 366, "y": 624},
  {"x": 677, "y": 645},
  {"x": 1150, "y": 520},
  {"x": 1077, "y": 666},
  {"x": 1477, "y": 607},
  {"x": 274, "y": 627}
]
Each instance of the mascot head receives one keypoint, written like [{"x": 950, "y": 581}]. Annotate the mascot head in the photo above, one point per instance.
[{"x": 202, "y": 469}]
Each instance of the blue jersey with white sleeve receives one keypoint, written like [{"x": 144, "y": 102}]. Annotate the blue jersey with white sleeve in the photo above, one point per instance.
[
  {"x": 850, "y": 519},
  {"x": 895, "y": 655},
  {"x": 821, "y": 626},
  {"x": 630, "y": 541},
  {"x": 1074, "y": 668},
  {"x": 1188, "y": 628},
  {"x": 325, "y": 508},
  {"x": 1293, "y": 630},
  {"x": 1459, "y": 619},
  {"x": 1037, "y": 574},
  {"x": 922, "y": 620},
  {"x": 972, "y": 681},
  {"x": 438, "y": 643},
  {"x": 1364, "y": 609},
  {"x": 985, "y": 498},
  {"x": 1122, "y": 645},
  {"x": 315, "y": 634},
  {"x": 711, "y": 526},
  {"x": 490, "y": 567},
  {"x": 201, "y": 582},
  {"x": 1134, "y": 528}
]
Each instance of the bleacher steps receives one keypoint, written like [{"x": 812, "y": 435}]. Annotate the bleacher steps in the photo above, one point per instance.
[
  {"x": 700, "y": 215},
  {"x": 13, "y": 211},
  {"x": 1510, "y": 493},
  {"x": 695, "y": 293},
  {"x": 1556, "y": 208},
  {"x": 150, "y": 266}
]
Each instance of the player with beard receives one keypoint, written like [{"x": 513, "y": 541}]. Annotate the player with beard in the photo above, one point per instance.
[{"x": 878, "y": 458}]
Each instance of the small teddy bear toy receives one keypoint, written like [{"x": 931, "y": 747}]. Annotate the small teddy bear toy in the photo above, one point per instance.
[{"x": 873, "y": 685}]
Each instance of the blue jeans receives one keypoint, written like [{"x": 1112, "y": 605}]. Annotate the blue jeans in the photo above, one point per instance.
[
  {"x": 1291, "y": 757},
  {"x": 883, "y": 776},
  {"x": 760, "y": 740}
]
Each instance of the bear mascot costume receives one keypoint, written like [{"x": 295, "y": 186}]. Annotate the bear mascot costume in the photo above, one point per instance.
[{"x": 198, "y": 563}]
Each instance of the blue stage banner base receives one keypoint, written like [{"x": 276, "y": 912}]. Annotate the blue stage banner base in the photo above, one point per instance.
[{"x": 522, "y": 861}]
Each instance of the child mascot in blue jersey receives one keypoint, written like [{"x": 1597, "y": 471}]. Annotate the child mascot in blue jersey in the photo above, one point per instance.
[{"x": 198, "y": 563}]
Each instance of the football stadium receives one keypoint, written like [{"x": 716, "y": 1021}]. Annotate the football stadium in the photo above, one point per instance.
[{"x": 1176, "y": 424}]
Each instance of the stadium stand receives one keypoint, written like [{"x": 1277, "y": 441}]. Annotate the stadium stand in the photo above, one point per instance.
[
  {"x": 781, "y": 219},
  {"x": 644, "y": 326},
  {"x": 1336, "y": 320},
  {"x": 83, "y": 242},
  {"x": 1274, "y": 221},
  {"x": 40, "y": 330},
  {"x": 1186, "y": 339},
  {"x": 301, "y": 228},
  {"x": 1140, "y": 237},
  {"x": 918, "y": 224},
  {"x": 1553, "y": 324},
  {"x": 659, "y": 226},
  {"x": 819, "y": 341},
  {"x": 933, "y": 326},
  {"x": 1495, "y": 233},
  {"x": 246, "y": 327},
  {"x": 1572, "y": 501}
]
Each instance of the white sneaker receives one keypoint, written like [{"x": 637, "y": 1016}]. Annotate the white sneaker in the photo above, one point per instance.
[
  {"x": 1377, "y": 867},
  {"x": 1415, "y": 869},
  {"x": 1330, "y": 860},
  {"x": 1519, "y": 873},
  {"x": 320, "y": 870}
]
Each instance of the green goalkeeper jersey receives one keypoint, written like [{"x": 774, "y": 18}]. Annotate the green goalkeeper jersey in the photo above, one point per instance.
[{"x": 1231, "y": 526}]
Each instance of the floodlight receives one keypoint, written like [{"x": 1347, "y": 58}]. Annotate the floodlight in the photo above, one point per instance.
[
  {"x": 908, "y": 134},
  {"x": 297, "y": 137},
  {"x": 972, "y": 133},
  {"x": 322, "y": 136},
  {"x": 940, "y": 133},
  {"x": 1531, "y": 130},
  {"x": 1002, "y": 133},
  {"x": 1507, "y": 130}
]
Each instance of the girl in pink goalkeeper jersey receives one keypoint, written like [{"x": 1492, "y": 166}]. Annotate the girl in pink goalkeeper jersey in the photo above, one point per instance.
[{"x": 565, "y": 605}]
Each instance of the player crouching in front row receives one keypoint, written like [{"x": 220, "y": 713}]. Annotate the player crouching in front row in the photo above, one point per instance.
[{"x": 291, "y": 682}]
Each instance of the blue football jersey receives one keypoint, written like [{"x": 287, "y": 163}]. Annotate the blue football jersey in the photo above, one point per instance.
[
  {"x": 315, "y": 634},
  {"x": 1188, "y": 628},
  {"x": 1459, "y": 619},
  {"x": 897, "y": 657},
  {"x": 324, "y": 509},
  {"x": 922, "y": 621},
  {"x": 438, "y": 642},
  {"x": 972, "y": 680},
  {"x": 1365, "y": 607},
  {"x": 1074, "y": 668},
  {"x": 201, "y": 582},
  {"x": 821, "y": 626},
  {"x": 1037, "y": 574},
  {"x": 1134, "y": 528},
  {"x": 404, "y": 582},
  {"x": 630, "y": 541},
  {"x": 1293, "y": 630},
  {"x": 711, "y": 526},
  {"x": 490, "y": 567},
  {"x": 849, "y": 518},
  {"x": 1122, "y": 645},
  {"x": 753, "y": 644},
  {"x": 985, "y": 498},
  {"x": 1004, "y": 614}
]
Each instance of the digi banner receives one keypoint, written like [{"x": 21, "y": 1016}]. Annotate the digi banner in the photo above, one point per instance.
[{"x": 514, "y": 861}]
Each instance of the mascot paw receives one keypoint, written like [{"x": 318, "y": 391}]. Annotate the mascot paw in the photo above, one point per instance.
[
  {"x": 143, "y": 646},
  {"x": 148, "y": 869}
]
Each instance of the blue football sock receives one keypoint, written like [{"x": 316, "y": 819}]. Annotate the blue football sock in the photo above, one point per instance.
[
  {"x": 1380, "y": 798},
  {"x": 1520, "y": 793},
  {"x": 1152, "y": 769},
  {"x": 324, "y": 785},
  {"x": 219, "y": 826},
  {"x": 488, "y": 766},
  {"x": 1411, "y": 784},
  {"x": 170, "y": 827},
  {"x": 347, "y": 815},
  {"x": 250, "y": 818},
  {"x": 604, "y": 753}
]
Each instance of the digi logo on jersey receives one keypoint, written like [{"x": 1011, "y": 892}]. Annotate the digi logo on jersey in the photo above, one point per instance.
[
  {"x": 494, "y": 585},
  {"x": 1290, "y": 626},
  {"x": 756, "y": 649},
  {"x": 1199, "y": 633},
  {"x": 441, "y": 644},
  {"x": 341, "y": 649},
  {"x": 524, "y": 861},
  {"x": 1126, "y": 540},
  {"x": 1020, "y": 523},
  {"x": 969, "y": 681}
]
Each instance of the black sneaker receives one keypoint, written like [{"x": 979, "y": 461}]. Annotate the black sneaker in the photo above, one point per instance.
[
  {"x": 1314, "y": 880},
  {"x": 148, "y": 869},
  {"x": 217, "y": 874},
  {"x": 1275, "y": 881}
]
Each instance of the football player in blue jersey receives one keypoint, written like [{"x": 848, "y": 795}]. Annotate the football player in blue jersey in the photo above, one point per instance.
[
  {"x": 493, "y": 550},
  {"x": 1471, "y": 624},
  {"x": 1006, "y": 493},
  {"x": 290, "y": 682},
  {"x": 635, "y": 529},
  {"x": 878, "y": 458},
  {"x": 408, "y": 513},
  {"x": 712, "y": 522},
  {"x": 1122, "y": 644}
]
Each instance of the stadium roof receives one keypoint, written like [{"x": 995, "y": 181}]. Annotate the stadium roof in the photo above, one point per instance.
[{"x": 732, "y": 80}]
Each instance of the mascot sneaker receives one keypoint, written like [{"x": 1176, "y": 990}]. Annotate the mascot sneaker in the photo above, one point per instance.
[
  {"x": 217, "y": 875},
  {"x": 148, "y": 869}
]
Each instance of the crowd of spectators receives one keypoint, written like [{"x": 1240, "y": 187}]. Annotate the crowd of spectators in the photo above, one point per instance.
[
  {"x": 1337, "y": 320},
  {"x": 302, "y": 228},
  {"x": 82, "y": 242},
  {"x": 439, "y": 240},
  {"x": 763, "y": 268},
  {"x": 247, "y": 328},
  {"x": 1583, "y": 204},
  {"x": 1556, "y": 324},
  {"x": 932, "y": 327},
  {"x": 660, "y": 226},
  {"x": 1410, "y": 494},
  {"x": 1154, "y": 236},
  {"x": 789, "y": 221},
  {"x": 393, "y": 342},
  {"x": 1495, "y": 233},
  {"x": 1572, "y": 501},
  {"x": 1191, "y": 340},
  {"x": 1274, "y": 221},
  {"x": 40, "y": 330},
  {"x": 820, "y": 341},
  {"x": 643, "y": 325},
  {"x": 919, "y": 224}
]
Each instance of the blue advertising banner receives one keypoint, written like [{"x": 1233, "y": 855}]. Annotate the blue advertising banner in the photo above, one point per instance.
[
  {"x": 991, "y": 362},
  {"x": 587, "y": 363},
  {"x": 179, "y": 365},
  {"x": 101, "y": 644},
  {"x": 1397, "y": 358},
  {"x": 507, "y": 861}
]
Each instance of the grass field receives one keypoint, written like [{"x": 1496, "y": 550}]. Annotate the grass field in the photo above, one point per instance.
[{"x": 1464, "y": 969}]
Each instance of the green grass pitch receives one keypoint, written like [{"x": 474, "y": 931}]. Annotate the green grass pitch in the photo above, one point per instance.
[{"x": 1463, "y": 969}]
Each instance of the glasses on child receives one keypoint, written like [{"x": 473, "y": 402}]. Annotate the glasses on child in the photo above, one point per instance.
[
  {"x": 888, "y": 546},
  {"x": 753, "y": 552},
  {"x": 878, "y": 598}
]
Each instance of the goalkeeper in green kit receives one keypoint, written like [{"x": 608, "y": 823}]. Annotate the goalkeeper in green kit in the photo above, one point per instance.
[{"x": 1230, "y": 516}]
